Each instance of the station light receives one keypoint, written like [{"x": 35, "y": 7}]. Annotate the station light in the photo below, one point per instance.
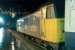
[
  {"x": 1, "y": 35},
  {"x": 13, "y": 14},
  {"x": 1, "y": 20}
]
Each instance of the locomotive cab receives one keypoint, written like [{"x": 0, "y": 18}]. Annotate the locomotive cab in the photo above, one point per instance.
[{"x": 52, "y": 26}]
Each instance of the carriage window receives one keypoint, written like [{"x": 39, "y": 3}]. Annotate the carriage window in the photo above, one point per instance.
[{"x": 50, "y": 11}]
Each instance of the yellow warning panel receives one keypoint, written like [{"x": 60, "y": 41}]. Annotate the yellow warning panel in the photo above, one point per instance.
[{"x": 52, "y": 30}]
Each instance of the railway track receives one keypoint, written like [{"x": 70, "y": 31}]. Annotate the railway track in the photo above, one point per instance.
[{"x": 24, "y": 43}]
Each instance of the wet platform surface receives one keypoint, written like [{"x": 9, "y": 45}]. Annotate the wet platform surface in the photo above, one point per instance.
[{"x": 13, "y": 41}]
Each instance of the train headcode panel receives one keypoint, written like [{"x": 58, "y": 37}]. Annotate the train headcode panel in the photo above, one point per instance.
[{"x": 70, "y": 16}]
